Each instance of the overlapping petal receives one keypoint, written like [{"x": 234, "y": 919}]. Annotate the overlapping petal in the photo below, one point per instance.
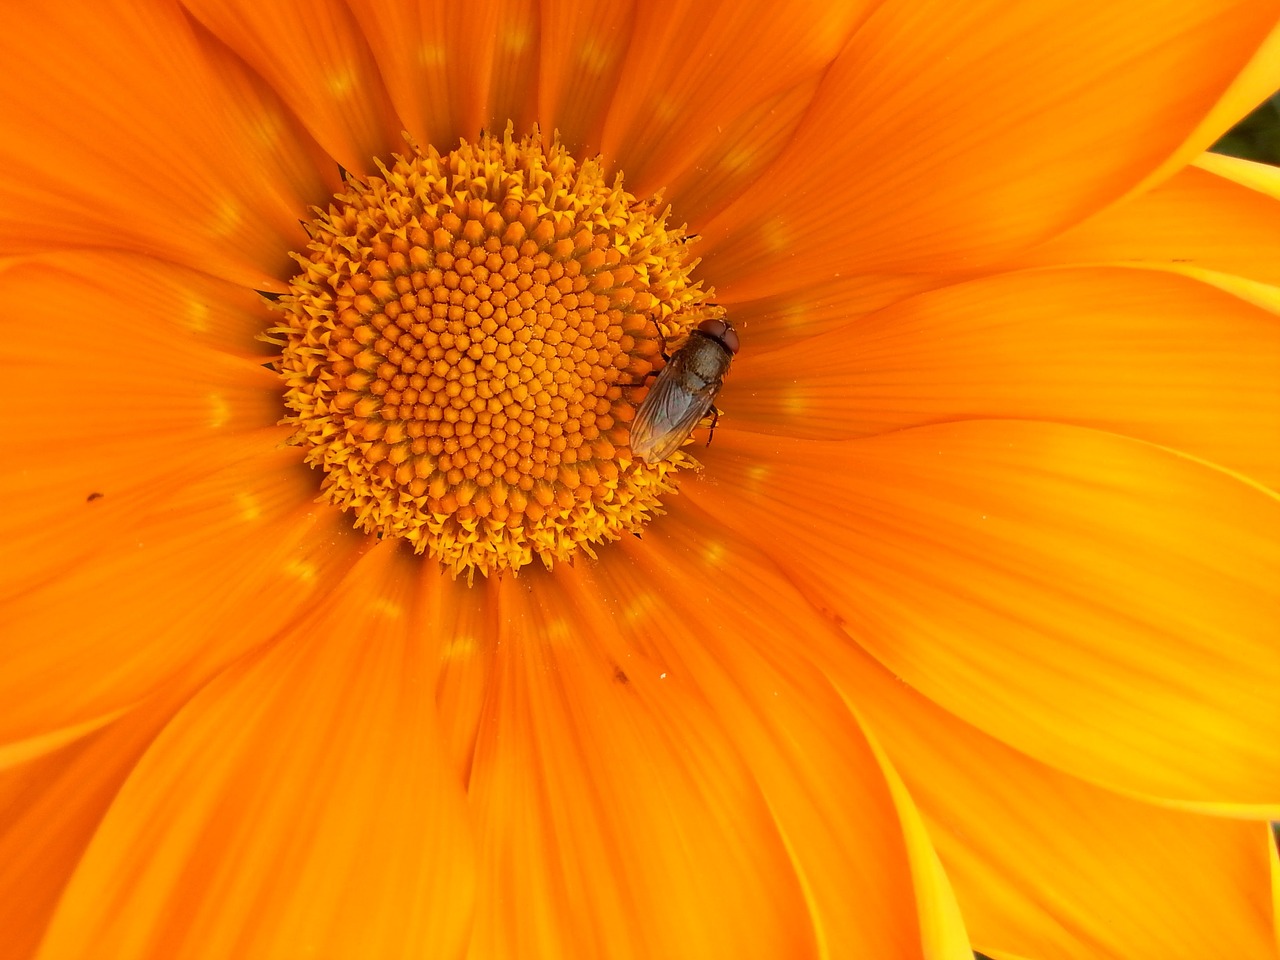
[
  {"x": 174, "y": 151},
  {"x": 949, "y": 136},
  {"x": 196, "y": 578},
  {"x": 312, "y": 55},
  {"x": 156, "y": 499},
  {"x": 51, "y": 806},
  {"x": 1048, "y": 866},
  {"x": 1257, "y": 79},
  {"x": 1208, "y": 218},
  {"x": 693, "y": 76},
  {"x": 1102, "y": 604},
  {"x": 697, "y": 605},
  {"x": 581, "y": 54},
  {"x": 451, "y": 76},
  {"x": 164, "y": 382},
  {"x": 614, "y": 814},
  {"x": 301, "y": 802},
  {"x": 1151, "y": 355},
  {"x": 459, "y": 623},
  {"x": 738, "y": 155},
  {"x": 767, "y": 323}
]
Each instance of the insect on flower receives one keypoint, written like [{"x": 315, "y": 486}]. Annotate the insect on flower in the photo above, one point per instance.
[{"x": 684, "y": 391}]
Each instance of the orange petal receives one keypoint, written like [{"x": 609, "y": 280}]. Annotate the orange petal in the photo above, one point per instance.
[
  {"x": 50, "y": 808},
  {"x": 1049, "y": 866},
  {"x": 947, "y": 136},
  {"x": 122, "y": 132},
  {"x": 312, "y": 53},
  {"x": 1275, "y": 887},
  {"x": 516, "y": 65},
  {"x": 1143, "y": 353},
  {"x": 1198, "y": 218},
  {"x": 453, "y": 71},
  {"x": 693, "y": 71},
  {"x": 135, "y": 297},
  {"x": 164, "y": 383},
  {"x": 732, "y": 162},
  {"x": 943, "y": 932},
  {"x": 582, "y": 47},
  {"x": 1256, "y": 81},
  {"x": 300, "y": 803},
  {"x": 195, "y": 578},
  {"x": 1262, "y": 177},
  {"x": 614, "y": 813},
  {"x": 697, "y": 605},
  {"x": 458, "y": 623},
  {"x": 1104, "y": 605},
  {"x": 770, "y": 322}
]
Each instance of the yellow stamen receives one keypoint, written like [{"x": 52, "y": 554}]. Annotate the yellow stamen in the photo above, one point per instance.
[{"x": 460, "y": 348}]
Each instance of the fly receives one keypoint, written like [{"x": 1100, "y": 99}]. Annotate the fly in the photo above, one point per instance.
[{"x": 684, "y": 391}]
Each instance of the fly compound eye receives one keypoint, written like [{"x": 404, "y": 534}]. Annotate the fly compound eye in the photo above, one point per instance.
[
  {"x": 730, "y": 339},
  {"x": 722, "y": 331}
]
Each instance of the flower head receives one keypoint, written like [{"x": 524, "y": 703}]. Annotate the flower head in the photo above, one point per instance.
[
  {"x": 339, "y": 619},
  {"x": 454, "y": 346}
]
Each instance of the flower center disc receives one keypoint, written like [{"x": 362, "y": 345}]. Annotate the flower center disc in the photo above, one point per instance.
[{"x": 461, "y": 349}]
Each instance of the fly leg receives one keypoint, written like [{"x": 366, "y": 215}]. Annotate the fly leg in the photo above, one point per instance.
[
  {"x": 715, "y": 418},
  {"x": 666, "y": 357},
  {"x": 644, "y": 381}
]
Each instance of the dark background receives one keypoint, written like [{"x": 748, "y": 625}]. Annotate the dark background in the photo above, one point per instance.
[{"x": 1257, "y": 136}]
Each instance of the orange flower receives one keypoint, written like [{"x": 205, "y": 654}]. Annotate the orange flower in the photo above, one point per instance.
[{"x": 962, "y": 631}]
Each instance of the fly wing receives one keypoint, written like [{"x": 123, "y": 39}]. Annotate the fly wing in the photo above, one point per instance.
[{"x": 669, "y": 413}]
